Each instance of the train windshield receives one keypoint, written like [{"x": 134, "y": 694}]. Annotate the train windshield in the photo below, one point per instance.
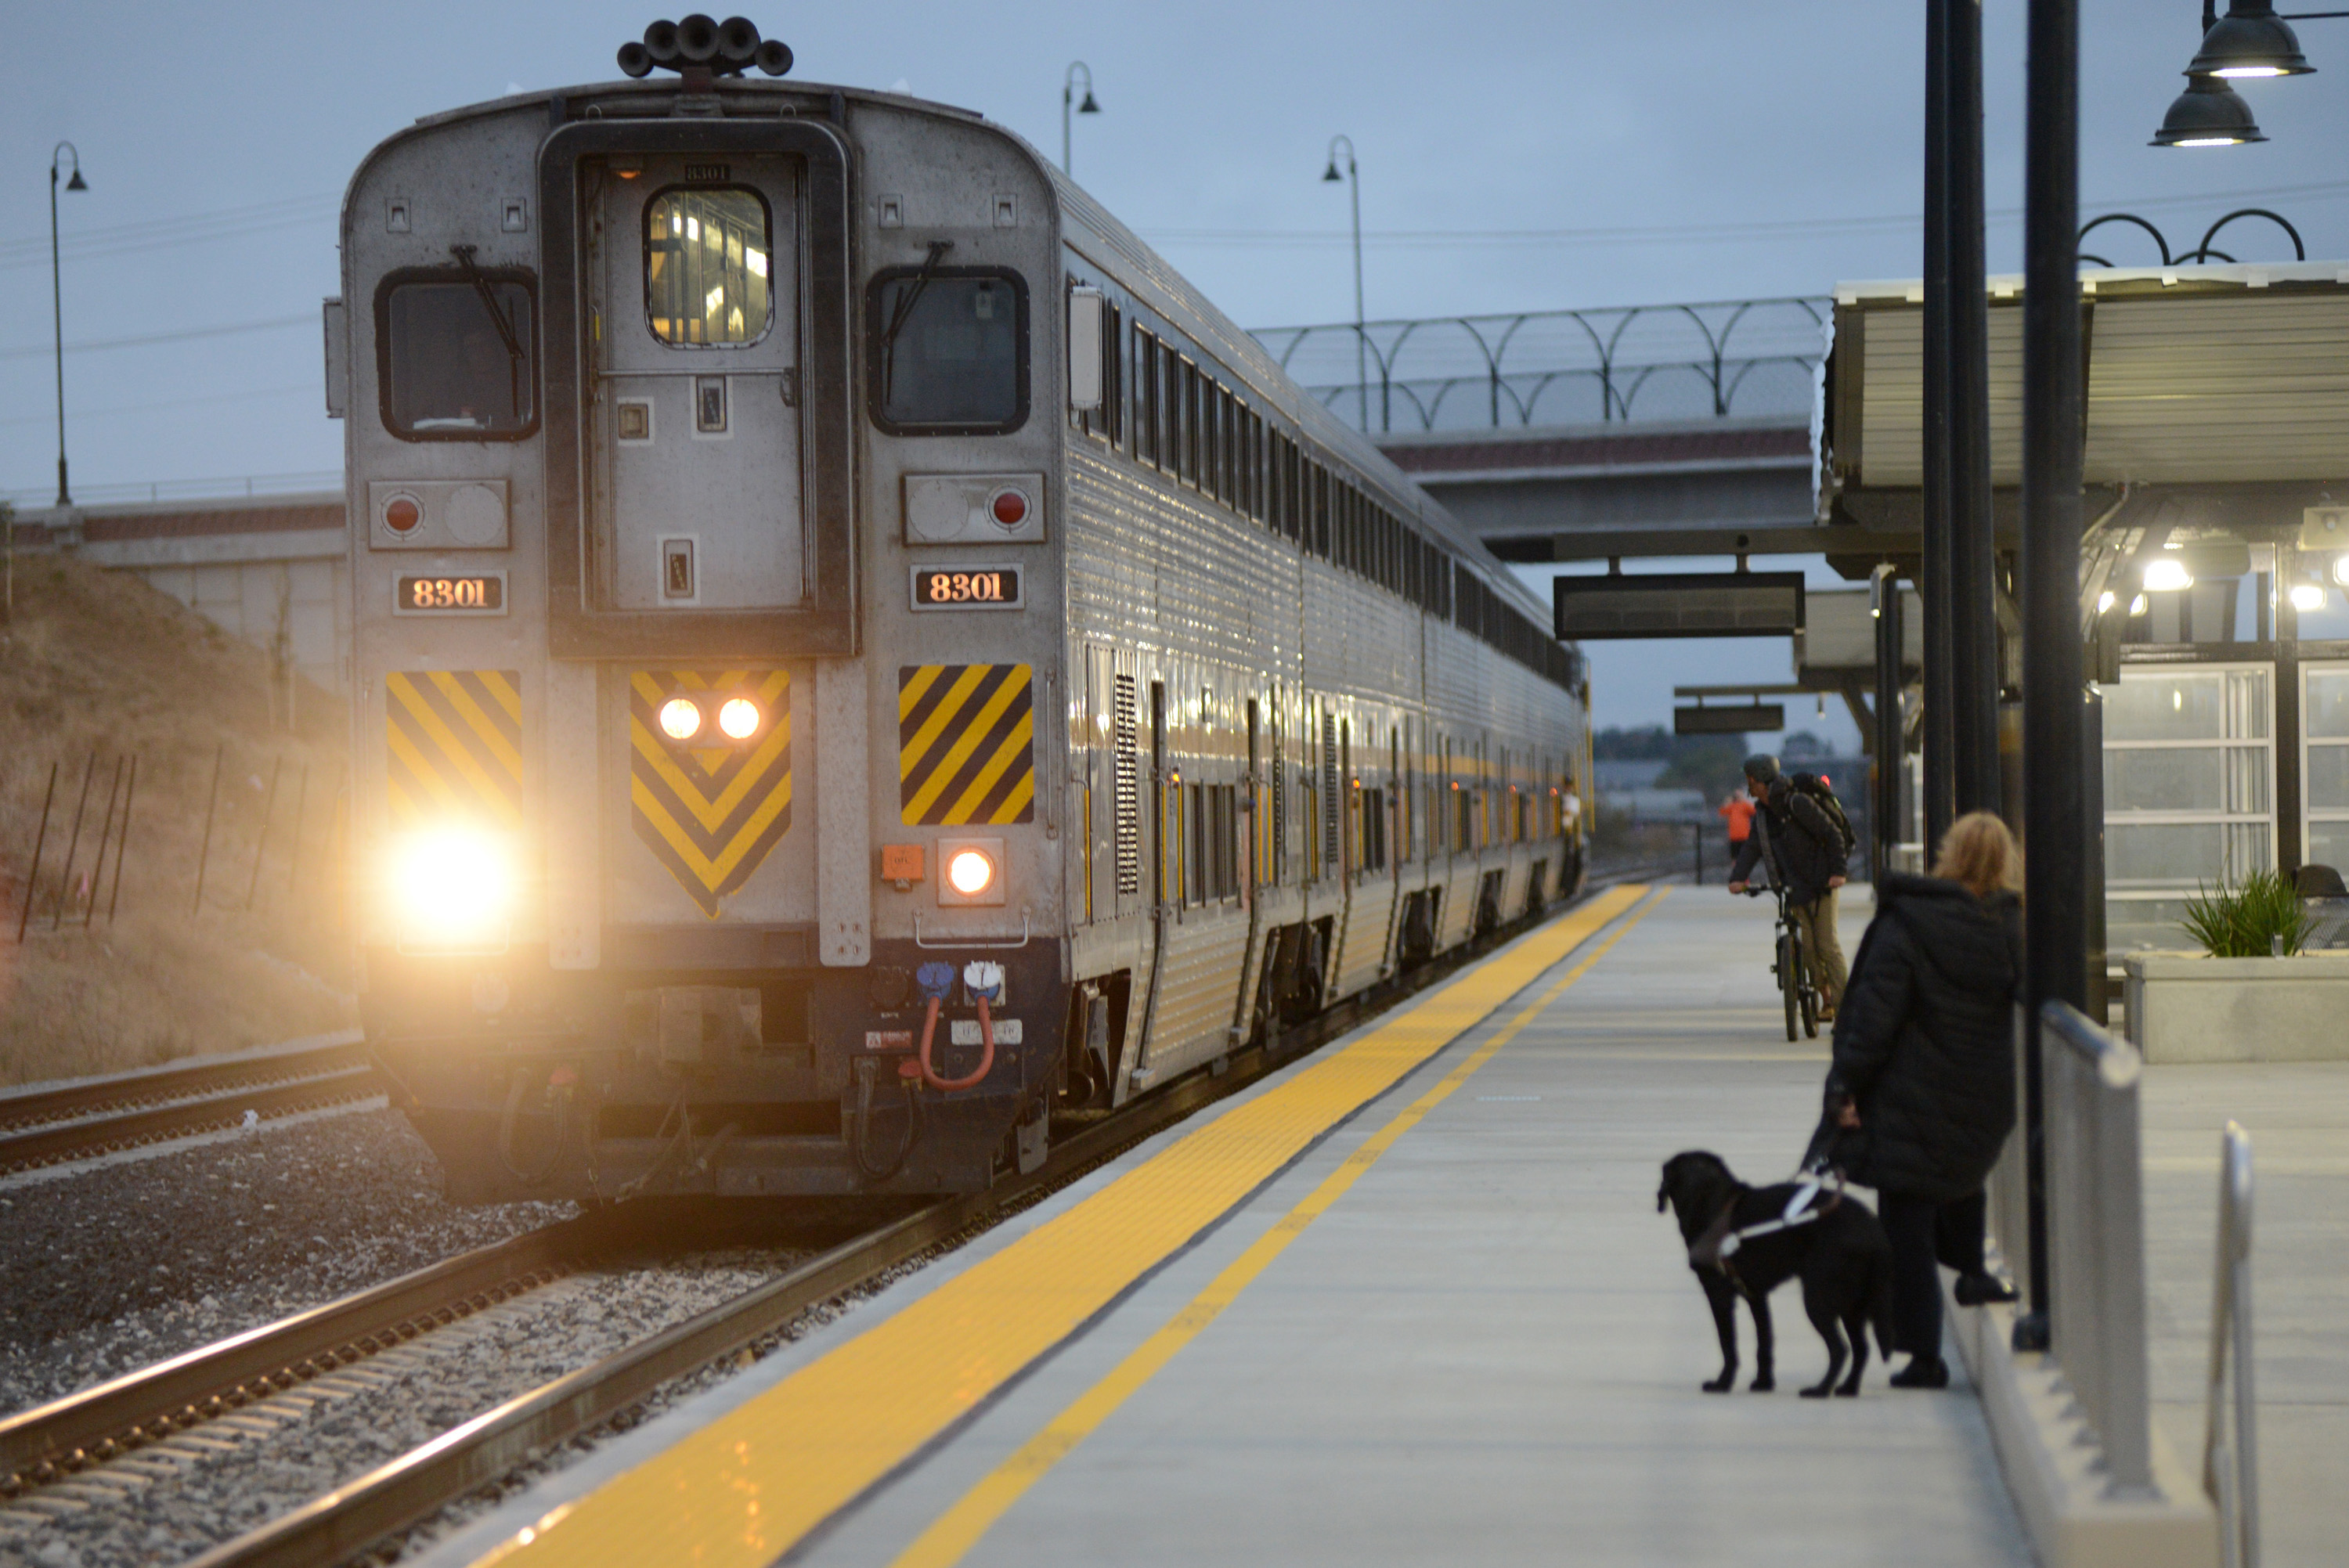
[
  {"x": 457, "y": 358},
  {"x": 707, "y": 266},
  {"x": 949, "y": 351}
]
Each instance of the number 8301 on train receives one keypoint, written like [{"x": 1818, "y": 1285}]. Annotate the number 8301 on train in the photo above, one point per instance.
[{"x": 857, "y": 661}]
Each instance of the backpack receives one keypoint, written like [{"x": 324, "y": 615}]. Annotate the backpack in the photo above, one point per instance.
[{"x": 1811, "y": 784}]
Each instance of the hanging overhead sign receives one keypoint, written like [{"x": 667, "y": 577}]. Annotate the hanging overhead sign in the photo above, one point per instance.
[{"x": 1679, "y": 604}]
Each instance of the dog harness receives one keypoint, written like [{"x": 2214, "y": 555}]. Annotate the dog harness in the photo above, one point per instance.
[{"x": 1719, "y": 1243}]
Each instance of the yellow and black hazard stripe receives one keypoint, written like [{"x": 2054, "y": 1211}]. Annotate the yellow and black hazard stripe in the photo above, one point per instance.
[
  {"x": 966, "y": 744},
  {"x": 710, "y": 812},
  {"x": 453, "y": 739}
]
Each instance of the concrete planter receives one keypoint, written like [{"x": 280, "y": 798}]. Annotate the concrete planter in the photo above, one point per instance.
[{"x": 2186, "y": 1007}]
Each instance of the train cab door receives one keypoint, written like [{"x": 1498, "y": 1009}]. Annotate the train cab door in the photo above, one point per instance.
[{"x": 692, "y": 265}]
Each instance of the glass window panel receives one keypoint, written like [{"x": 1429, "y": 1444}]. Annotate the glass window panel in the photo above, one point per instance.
[
  {"x": 707, "y": 265},
  {"x": 2328, "y": 778},
  {"x": 2328, "y": 704},
  {"x": 2183, "y": 707},
  {"x": 459, "y": 356},
  {"x": 2156, "y": 855},
  {"x": 2190, "y": 778},
  {"x": 2328, "y": 845},
  {"x": 957, "y": 356}
]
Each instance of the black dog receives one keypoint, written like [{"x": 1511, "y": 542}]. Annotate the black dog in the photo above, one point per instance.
[{"x": 1840, "y": 1252}]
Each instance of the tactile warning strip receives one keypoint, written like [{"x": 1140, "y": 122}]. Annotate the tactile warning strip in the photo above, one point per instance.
[{"x": 744, "y": 1489}]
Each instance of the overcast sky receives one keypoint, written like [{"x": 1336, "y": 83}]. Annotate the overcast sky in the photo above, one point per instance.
[{"x": 1514, "y": 156}]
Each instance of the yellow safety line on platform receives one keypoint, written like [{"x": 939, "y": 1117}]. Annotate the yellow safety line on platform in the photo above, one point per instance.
[
  {"x": 960, "y": 1527},
  {"x": 750, "y": 1486}
]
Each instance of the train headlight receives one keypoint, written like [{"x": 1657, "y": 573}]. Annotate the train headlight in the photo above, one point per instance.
[
  {"x": 680, "y": 718},
  {"x": 738, "y": 718},
  {"x": 970, "y": 870},
  {"x": 2308, "y": 597},
  {"x": 451, "y": 889}
]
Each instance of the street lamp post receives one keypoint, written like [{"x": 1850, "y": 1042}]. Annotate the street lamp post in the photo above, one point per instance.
[
  {"x": 1353, "y": 176},
  {"x": 56, "y": 301},
  {"x": 1070, "y": 106},
  {"x": 2057, "y": 832}
]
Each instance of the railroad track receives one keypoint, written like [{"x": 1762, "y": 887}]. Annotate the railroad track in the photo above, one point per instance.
[
  {"x": 100, "y": 1116},
  {"x": 53, "y": 1440}
]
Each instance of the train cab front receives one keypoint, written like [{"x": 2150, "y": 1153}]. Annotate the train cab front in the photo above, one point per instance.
[{"x": 699, "y": 848}]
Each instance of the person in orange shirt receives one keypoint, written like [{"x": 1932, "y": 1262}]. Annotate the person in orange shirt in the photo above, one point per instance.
[{"x": 1738, "y": 812}]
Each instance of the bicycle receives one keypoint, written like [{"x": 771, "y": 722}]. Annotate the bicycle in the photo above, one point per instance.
[{"x": 1791, "y": 970}]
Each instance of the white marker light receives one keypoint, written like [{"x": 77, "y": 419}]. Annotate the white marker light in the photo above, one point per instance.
[
  {"x": 970, "y": 872},
  {"x": 738, "y": 718},
  {"x": 680, "y": 718}
]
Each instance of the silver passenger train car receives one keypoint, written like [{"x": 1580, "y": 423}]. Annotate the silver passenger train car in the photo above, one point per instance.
[{"x": 855, "y": 658}]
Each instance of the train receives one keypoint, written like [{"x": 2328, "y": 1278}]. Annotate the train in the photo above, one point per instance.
[{"x": 857, "y": 662}]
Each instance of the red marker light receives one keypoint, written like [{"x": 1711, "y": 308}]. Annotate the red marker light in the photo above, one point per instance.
[
  {"x": 1010, "y": 508},
  {"x": 402, "y": 515}
]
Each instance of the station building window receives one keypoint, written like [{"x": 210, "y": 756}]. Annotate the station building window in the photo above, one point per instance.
[
  {"x": 2324, "y": 767},
  {"x": 2190, "y": 764},
  {"x": 456, "y": 353},
  {"x": 950, "y": 350}
]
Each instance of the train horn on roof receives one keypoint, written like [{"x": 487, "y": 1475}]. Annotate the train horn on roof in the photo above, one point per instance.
[{"x": 699, "y": 45}]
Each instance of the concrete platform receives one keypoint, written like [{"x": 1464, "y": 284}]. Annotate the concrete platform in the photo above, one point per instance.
[{"x": 1455, "y": 1330}]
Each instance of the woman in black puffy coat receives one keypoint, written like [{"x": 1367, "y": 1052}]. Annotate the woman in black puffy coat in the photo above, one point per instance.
[{"x": 1923, "y": 1080}]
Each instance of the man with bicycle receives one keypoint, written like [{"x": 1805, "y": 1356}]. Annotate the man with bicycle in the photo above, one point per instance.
[{"x": 1799, "y": 826}]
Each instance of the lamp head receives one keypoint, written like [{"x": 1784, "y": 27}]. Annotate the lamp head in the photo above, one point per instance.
[
  {"x": 77, "y": 183},
  {"x": 2250, "y": 42},
  {"x": 1089, "y": 106},
  {"x": 1331, "y": 174},
  {"x": 2209, "y": 113}
]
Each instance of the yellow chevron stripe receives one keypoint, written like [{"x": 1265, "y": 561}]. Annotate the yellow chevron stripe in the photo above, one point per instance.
[
  {"x": 499, "y": 793},
  {"x": 975, "y": 729},
  {"x": 421, "y": 766},
  {"x": 712, "y": 814},
  {"x": 1014, "y": 749},
  {"x": 910, "y": 753},
  {"x": 909, "y": 696},
  {"x": 509, "y": 695},
  {"x": 481, "y": 724},
  {"x": 762, "y": 780},
  {"x": 710, "y": 872}
]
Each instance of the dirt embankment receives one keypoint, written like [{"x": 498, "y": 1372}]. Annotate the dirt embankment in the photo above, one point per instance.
[{"x": 103, "y": 679}]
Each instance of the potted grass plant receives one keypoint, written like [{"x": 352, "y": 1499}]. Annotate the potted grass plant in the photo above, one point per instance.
[{"x": 2250, "y": 995}]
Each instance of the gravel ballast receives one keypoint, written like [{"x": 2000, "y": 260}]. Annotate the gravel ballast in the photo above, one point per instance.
[{"x": 109, "y": 1267}]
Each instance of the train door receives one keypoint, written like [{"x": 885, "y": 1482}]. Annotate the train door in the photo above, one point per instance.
[
  {"x": 693, "y": 355},
  {"x": 689, "y": 266}
]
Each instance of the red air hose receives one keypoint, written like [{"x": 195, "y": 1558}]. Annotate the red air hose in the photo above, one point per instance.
[{"x": 986, "y": 1057}]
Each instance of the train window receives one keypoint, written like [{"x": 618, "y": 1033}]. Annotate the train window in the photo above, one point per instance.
[
  {"x": 1187, "y": 460},
  {"x": 1145, "y": 396},
  {"x": 707, "y": 266},
  {"x": 1170, "y": 411},
  {"x": 950, "y": 350},
  {"x": 456, "y": 355},
  {"x": 1211, "y": 442}
]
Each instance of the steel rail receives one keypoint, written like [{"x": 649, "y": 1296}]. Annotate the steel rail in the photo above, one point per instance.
[
  {"x": 178, "y": 1081},
  {"x": 80, "y": 1120},
  {"x": 50, "y": 1442},
  {"x": 356, "y": 1517}
]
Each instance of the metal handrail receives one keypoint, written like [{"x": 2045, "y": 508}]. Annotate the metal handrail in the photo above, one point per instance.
[
  {"x": 2230, "y": 1471},
  {"x": 2096, "y": 1234}
]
